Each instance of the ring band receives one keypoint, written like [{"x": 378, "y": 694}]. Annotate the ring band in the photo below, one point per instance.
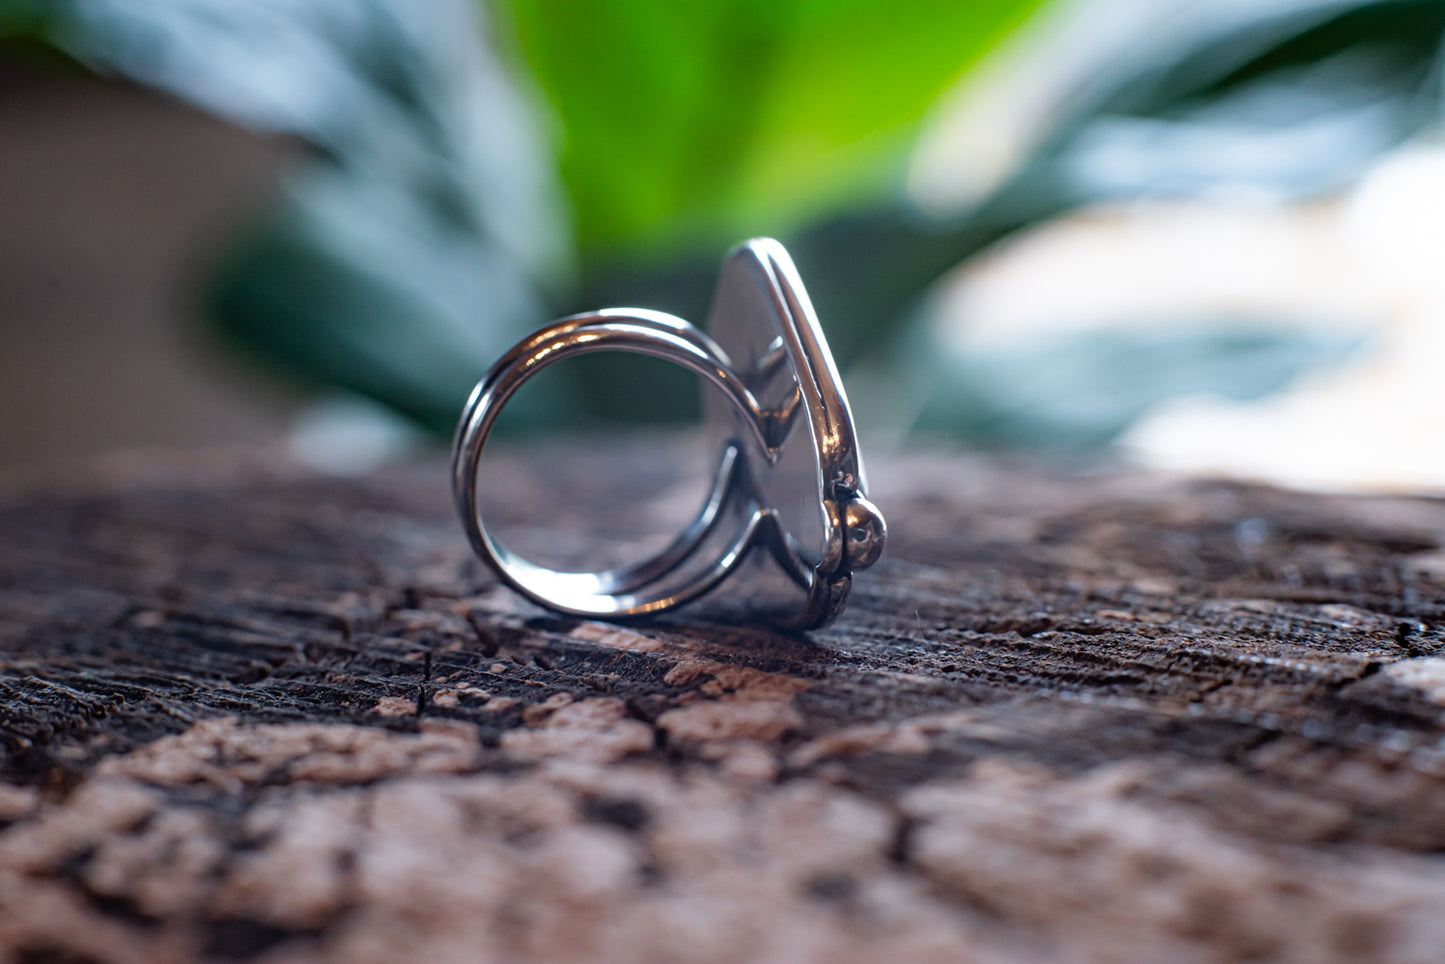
[{"x": 787, "y": 517}]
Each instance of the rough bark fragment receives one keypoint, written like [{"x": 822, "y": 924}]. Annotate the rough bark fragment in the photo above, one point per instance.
[{"x": 250, "y": 714}]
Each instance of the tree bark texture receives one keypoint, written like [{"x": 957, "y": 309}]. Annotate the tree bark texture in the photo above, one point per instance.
[{"x": 249, "y": 713}]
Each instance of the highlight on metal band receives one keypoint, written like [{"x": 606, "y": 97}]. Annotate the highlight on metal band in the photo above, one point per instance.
[{"x": 786, "y": 521}]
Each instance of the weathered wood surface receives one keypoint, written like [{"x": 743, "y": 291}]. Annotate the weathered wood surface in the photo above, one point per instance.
[{"x": 249, "y": 713}]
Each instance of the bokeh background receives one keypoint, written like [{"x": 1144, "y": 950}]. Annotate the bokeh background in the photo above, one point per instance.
[{"x": 1206, "y": 234}]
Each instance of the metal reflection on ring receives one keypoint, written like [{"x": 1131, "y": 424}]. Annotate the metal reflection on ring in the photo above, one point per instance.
[{"x": 787, "y": 521}]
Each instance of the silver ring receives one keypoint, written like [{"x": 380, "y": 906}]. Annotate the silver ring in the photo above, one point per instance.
[{"x": 787, "y": 521}]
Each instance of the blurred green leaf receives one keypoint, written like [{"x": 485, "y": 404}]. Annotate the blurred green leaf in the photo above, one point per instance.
[
  {"x": 348, "y": 284},
  {"x": 1283, "y": 100},
  {"x": 1280, "y": 100},
  {"x": 1260, "y": 102},
  {"x": 1276, "y": 100},
  {"x": 715, "y": 119},
  {"x": 1082, "y": 389},
  {"x": 413, "y": 248},
  {"x": 1265, "y": 101}
]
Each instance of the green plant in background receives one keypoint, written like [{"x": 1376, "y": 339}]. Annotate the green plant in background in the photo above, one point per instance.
[
  {"x": 1280, "y": 101},
  {"x": 418, "y": 239},
  {"x": 434, "y": 223},
  {"x": 717, "y": 119}
]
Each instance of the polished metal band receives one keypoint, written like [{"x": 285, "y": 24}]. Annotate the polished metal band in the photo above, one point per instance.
[
  {"x": 633, "y": 590},
  {"x": 778, "y": 382}
]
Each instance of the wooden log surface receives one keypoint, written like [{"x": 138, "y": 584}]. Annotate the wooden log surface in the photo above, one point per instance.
[{"x": 250, "y": 713}]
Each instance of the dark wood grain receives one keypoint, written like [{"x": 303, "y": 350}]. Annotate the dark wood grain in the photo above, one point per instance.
[{"x": 248, "y": 713}]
